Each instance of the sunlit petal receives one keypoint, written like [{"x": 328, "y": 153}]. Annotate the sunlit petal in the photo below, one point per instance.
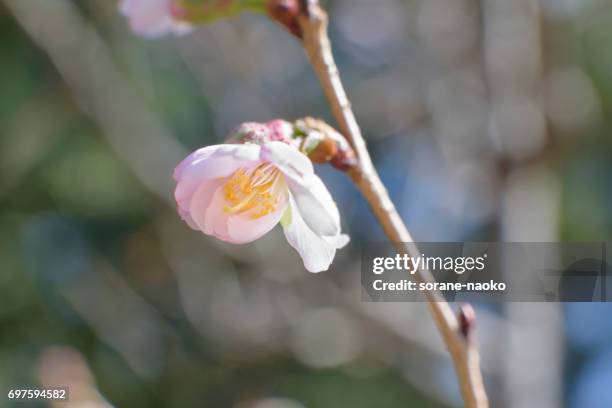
[{"x": 317, "y": 251}]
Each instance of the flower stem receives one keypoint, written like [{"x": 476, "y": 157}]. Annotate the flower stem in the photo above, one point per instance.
[{"x": 456, "y": 333}]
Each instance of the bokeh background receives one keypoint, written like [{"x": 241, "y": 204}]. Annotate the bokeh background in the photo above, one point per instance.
[{"x": 488, "y": 120}]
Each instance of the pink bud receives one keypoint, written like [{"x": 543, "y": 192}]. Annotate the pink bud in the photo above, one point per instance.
[
  {"x": 153, "y": 18},
  {"x": 276, "y": 130}
]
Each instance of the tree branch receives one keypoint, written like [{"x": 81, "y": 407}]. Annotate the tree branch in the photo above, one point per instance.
[{"x": 458, "y": 334}]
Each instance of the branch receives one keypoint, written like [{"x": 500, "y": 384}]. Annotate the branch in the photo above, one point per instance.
[{"x": 458, "y": 334}]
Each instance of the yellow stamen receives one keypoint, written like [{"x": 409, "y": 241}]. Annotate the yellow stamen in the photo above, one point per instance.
[{"x": 255, "y": 190}]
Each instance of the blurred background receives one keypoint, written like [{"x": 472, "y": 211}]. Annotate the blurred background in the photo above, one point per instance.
[{"x": 488, "y": 120}]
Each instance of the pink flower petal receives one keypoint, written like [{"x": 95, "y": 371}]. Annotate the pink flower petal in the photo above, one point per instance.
[
  {"x": 206, "y": 209},
  {"x": 242, "y": 228},
  {"x": 221, "y": 161},
  {"x": 209, "y": 163},
  {"x": 215, "y": 217},
  {"x": 186, "y": 216},
  {"x": 193, "y": 156},
  {"x": 152, "y": 18}
]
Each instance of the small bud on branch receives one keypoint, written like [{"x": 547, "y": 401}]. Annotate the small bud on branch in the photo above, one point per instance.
[
  {"x": 467, "y": 321},
  {"x": 324, "y": 144},
  {"x": 285, "y": 12}
]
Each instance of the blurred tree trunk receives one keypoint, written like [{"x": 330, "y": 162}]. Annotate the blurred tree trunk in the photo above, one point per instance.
[{"x": 530, "y": 199}]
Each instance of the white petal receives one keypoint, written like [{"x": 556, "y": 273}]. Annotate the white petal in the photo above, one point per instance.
[
  {"x": 316, "y": 205},
  {"x": 317, "y": 251},
  {"x": 289, "y": 160},
  {"x": 311, "y": 196},
  {"x": 338, "y": 241}
]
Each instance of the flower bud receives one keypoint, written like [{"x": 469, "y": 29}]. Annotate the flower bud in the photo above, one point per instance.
[
  {"x": 319, "y": 149},
  {"x": 155, "y": 18},
  {"x": 277, "y": 130},
  {"x": 323, "y": 144},
  {"x": 285, "y": 12}
]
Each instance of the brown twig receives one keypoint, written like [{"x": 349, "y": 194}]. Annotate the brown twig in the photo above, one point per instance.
[{"x": 457, "y": 333}]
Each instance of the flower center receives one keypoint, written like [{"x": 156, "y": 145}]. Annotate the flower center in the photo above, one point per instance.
[{"x": 255, "y": 190}]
